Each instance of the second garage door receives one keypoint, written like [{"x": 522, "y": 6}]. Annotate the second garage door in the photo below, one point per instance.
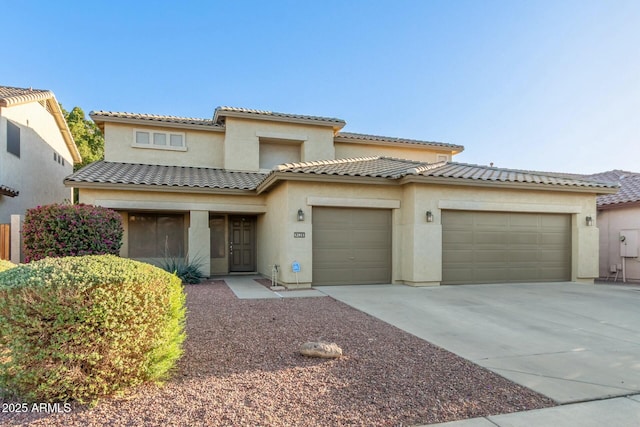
[
  {"x": 351, "y": 246},
  {"x": 501, "y": 247}
]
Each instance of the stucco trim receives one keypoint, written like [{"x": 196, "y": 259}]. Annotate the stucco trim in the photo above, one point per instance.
[
  {"x": 282, "y": 135},
  {"x": 275, "y": 177},
  {"x": 507, "y": 207},
  {"x": 181, "y": 206},
  {"x": 353, "y": 203}
]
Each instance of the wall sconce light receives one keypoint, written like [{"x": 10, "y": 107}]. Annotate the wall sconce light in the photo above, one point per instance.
[
  {"x": 429, "y": 216},
  {"x": 300, "y": 215},
  {"x": 589, "y": 221}
]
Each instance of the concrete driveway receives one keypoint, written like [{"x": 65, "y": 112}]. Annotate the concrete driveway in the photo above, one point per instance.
[{"x": 571, "y": 342}]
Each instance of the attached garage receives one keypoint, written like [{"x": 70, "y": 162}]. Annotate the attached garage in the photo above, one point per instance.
[
  {"x": 501, "y": 247},
  {"x": 351, "y": 246}
]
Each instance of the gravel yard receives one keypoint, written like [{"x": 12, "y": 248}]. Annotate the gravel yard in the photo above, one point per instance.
[{"x": 241, "y": 368}]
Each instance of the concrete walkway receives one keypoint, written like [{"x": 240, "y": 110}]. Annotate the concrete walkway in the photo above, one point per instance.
[
  {"x": 618, "y": 412},
  {"x": 245, "y": 287}
]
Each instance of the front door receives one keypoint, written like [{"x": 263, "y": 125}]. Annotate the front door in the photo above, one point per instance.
[{"x": 242, "y": 243}]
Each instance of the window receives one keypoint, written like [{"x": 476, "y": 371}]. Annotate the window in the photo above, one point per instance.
[
  {"x": 13, "y": 139},
  {"x": 276, "y": 153},
  {"x": 217, "y": 227},
  {"x": 159, "y": 140},
  {"x": 156, "y": 235}
]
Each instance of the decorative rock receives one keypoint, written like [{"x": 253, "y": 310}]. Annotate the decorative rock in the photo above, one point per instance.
[{"x": 321, "y": 349}]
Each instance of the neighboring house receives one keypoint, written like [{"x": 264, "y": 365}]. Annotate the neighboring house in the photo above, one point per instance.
[
  {"x": 36, "y": 151},
  {"x": 249, "y": 190},
  {"x": 619, "y": 218}
]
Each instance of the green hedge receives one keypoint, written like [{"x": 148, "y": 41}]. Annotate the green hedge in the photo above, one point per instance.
[
  {"x": 59, "y": 230},
  {"x": 81, "y": 328},
  {"x": 5, "y": 265}
]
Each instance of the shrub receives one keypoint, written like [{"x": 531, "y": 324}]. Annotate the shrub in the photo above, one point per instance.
[
  {"x": 80, "y": 328},
  {"x": 5, "y": 265},
  {"x": 71, "y": 230},
  {"x": 188, "y": 272}
]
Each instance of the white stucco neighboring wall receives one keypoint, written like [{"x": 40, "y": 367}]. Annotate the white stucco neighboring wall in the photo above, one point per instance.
[
  {"x": 611, "y": 222},
  {"x": 35, "y": 174}
]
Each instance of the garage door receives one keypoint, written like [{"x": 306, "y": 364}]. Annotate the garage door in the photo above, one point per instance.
[
  {"x": 351, "y": 246},
  {"x": 499, "y": 247}
]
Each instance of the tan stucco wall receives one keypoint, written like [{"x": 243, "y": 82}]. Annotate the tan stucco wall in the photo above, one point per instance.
[
  {"x": 422, "y": 154},
  {"x": 204, "y": 148},
  {"x": 610, "y": 222},
  {"x": 242, "y": 138},
  {"x": 35, "y": 174},
  {"x": 417, "y": 245}
]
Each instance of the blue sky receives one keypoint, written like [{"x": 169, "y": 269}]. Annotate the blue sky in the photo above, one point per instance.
[{"x": 542, "y": 85}]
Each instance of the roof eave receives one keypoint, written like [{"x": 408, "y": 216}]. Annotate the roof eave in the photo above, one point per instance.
[
  {"x": 621, "y": 205},
  {"x": 504, "y": 184},
  {"x": 64, "y": 129},
  {"x": 157, "y": 188},
  {"x": 336, "y": 126},
  {"x": 100, "y": 120},
  {"x": 456, "y": 149}
]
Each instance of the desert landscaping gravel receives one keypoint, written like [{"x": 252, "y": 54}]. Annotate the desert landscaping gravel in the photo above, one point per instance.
[{"x": 241, "y": 368}]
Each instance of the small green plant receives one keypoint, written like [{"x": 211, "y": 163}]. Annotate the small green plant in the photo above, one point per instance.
[
  {"x": 59, "y": 230},
  {"x": 81, "y": 328},
  {"x": 188, "y": 271},
  {"x": 5, "y": 265}
]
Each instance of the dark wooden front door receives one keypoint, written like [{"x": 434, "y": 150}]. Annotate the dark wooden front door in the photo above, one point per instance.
[{"x": 242, "y": 243}]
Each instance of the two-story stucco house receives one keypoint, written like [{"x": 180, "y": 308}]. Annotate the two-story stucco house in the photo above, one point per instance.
[
  {"x": 37, "y": 152},
  {"x": 247, "y": 190}
]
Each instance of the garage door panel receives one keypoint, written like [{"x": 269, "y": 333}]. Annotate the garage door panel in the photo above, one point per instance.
[
  {"x": 495, "y": 247},
  {"x": 351, "y": 246},
  {"x": 490, "y": 237}
]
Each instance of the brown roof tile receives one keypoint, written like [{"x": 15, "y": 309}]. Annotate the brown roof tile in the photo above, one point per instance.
[
  {"x": 350, "y": 136},
  {"x": 16, "y": 95},
  {"x": 102, "y": 172},
  {"x": 629, "y": 187}
]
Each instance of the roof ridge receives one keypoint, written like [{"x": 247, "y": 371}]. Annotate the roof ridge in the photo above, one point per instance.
[
  {"x": 426, "y": 167},
  {"x": 10, "y": 95},
  {"x": 285, "y": 166},
  {"x": 268, "y": 113}
]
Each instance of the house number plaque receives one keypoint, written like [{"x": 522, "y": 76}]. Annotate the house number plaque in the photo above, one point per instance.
[{"x": 298, "y": 234}]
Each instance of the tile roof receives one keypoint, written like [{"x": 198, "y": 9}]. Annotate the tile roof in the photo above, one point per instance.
[
  {"x": 629, "y": 187},
  {"x": 378, "y": 167},
  {"x": 154, "y": 118},
  {"x": 8, "y": 191},
  {"x": 487, "y": 173},
  {"x": 387, "y": 167},
  {"x": 225, "y": 110},
  {"x": 378, "y": 138},
  {"x": 103, "y": 172},
  {"x": 17, "y": 95}
]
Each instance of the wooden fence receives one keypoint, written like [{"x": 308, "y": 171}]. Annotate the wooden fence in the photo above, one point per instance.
[{"x": 5, "y": 241}]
